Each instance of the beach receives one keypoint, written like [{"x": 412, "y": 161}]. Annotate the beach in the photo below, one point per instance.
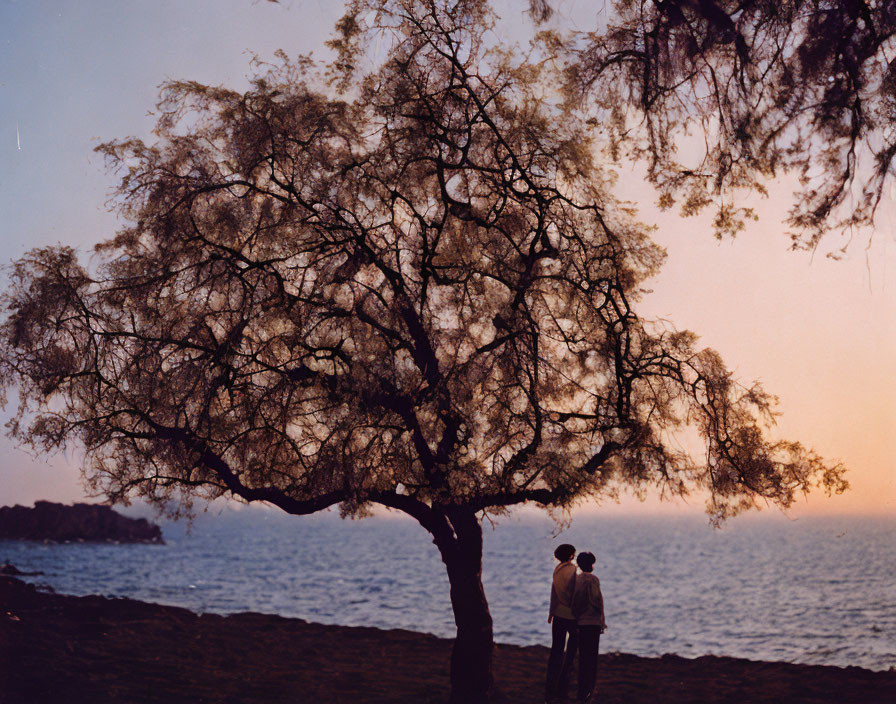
[{"x": 57, "y": 648}]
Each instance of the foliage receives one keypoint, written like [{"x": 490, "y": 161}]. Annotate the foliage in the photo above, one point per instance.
[
  {"x": 721, "y": 95},
  {"x": 422, "y": 294}
]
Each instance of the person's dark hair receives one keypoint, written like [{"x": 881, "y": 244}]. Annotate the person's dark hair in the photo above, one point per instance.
[
  {"x": 586, "y": 561},
  {"x": 564, "y": 552}
]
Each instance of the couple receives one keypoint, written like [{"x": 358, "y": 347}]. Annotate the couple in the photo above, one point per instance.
[{"x": 577, "y": 617}]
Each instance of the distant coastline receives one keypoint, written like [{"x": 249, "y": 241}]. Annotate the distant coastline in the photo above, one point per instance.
[{"x": 48, "y": 521}]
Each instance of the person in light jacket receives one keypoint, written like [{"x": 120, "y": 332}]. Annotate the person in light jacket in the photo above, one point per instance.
[
  {"x": 588, "y": 609},
  {"x": 564, "y": 636}
]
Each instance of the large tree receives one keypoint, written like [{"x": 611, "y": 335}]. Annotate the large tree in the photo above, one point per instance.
[{"x": 414, "y": 291}]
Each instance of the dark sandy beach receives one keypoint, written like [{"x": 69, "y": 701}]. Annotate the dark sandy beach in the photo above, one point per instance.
[{"x": 56, "y": 648}]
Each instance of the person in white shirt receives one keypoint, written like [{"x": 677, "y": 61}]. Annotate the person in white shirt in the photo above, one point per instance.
[
  {"x": 588, "y": 609},
  {"x": 564, "y": 634}
]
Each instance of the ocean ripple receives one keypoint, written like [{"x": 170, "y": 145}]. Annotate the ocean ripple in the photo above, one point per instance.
[{"x": 819, "y": 591}]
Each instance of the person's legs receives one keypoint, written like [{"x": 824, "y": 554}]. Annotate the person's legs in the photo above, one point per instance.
[
  {"x": 572, "y": 645},
  {"x": 561, "y": 628},
  {"x": 589, "y": 644}
]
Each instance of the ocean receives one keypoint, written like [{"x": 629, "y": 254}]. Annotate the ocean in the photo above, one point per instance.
[{"x": 813, "y": 590}]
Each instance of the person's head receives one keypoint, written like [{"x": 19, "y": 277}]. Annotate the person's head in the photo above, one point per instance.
[
  {"x": 564, "y": 552},
  {"x": 586, "y": 561}
]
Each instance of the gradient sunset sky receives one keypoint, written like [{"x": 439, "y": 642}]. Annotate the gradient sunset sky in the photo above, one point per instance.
[{"x": 820, "y": 334}]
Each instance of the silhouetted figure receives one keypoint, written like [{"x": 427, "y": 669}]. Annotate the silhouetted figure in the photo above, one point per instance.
[
  {"x": 588, "y": 609},
  {"x": 564, "y": 636}
]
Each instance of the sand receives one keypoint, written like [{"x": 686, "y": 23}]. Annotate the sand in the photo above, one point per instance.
[{"x": 56, "y": 648}]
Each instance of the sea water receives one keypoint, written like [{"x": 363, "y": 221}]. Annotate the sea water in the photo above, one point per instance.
[{"x": 813, "y": 590}]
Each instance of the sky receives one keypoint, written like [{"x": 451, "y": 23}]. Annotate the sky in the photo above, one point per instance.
[{"x": 820, "y": 334}]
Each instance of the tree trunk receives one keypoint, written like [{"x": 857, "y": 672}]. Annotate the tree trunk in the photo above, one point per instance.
[{"x": 471, "y": 657}]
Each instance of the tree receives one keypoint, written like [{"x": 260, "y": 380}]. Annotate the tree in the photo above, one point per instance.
[
  {"x": 719, "y": 96},
  {"x": 415, "y": 293}
]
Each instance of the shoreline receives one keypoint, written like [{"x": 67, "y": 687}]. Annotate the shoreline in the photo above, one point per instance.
[{"x": 55, "y": 647}]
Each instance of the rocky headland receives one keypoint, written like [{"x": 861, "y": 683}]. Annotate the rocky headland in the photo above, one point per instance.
[{"x": 86, "y": 522}]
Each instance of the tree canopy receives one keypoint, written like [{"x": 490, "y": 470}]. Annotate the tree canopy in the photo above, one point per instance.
[
  {"x": 407, "y": 286},
  {"x": 720, "y": 96}
]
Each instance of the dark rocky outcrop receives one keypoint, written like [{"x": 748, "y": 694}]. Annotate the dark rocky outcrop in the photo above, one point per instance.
[
  {"x": 88, "y": 522},
  {"x": 8, "y": 569}
]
